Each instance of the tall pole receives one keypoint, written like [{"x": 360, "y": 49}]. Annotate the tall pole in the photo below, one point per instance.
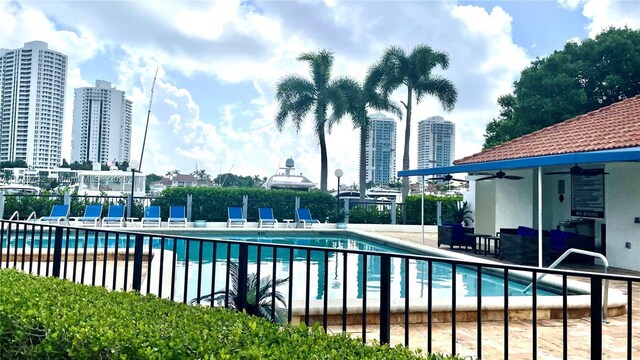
[
  {"x": 146, "y": 126},
  {"x": 422, "y": 210},
  {"x": 338, "y": 174}
]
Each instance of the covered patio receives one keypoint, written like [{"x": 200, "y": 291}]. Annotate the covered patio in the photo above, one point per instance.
[{"x": 581, "y": 175}]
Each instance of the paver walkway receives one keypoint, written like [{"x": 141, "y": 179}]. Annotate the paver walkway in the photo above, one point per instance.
[{"x": 520, "y": 332}]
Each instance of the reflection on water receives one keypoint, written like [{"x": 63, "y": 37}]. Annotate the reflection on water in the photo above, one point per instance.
[{"x": 415, "y": 281}]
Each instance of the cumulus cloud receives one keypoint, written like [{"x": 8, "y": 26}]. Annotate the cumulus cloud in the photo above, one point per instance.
[{"x": 201, "y": 48}]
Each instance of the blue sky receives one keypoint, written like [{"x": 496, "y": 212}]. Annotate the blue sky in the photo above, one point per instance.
[{"x": 219, "y": 63}]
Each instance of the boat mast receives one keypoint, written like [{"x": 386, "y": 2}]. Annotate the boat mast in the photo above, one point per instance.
[{"x": 146, "y": 127}]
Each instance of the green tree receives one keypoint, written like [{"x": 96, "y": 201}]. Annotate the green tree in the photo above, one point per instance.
[
  {"x": 414, "y": 70},
  {"x": 173, "y": 172},
  {"x": 297, "y": 97},
  {"x": 202, "y": 178},
  {"x": 360, "y": 98},
  {"x": 581, "y": 77}
]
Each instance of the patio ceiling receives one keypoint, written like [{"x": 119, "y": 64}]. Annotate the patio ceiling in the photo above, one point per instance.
[{"x": 570, "y": 159}]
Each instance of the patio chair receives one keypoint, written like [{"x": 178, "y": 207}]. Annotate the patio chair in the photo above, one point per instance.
[
  {"x": 59, "y": 213},
  {"x": 304, "y": 218},
  {"x": 177, "y": 217},
  {"x": 92, "y": 215},
  {"x": 151, "y": 217},
  {"x": 266, "y": 218},
  {"x": 115, "y": 216},
  {"x": 235, "y": 217}
]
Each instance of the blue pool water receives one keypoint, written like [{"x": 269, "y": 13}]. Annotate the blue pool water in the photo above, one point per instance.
[{"x": 212, "y": 273}]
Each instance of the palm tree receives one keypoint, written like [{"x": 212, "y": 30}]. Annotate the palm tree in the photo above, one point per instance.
[
  {"x": 360, "y": 99},
  {"x": 298, "y": 96},
  {"x": 259, "y": 296},
  {"x": 414, "y": 71}
]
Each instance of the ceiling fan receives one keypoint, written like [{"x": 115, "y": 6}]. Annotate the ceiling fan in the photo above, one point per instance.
[
  {"x": 448, "y": 177},
  {"x": 500, "y": 175},
  {"x": 577, "y": 170}
]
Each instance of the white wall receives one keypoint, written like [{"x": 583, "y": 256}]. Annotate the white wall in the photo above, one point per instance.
[
  {"x": 622, "y": 205},
  {"x": 485, "y": 207},
  {"x": 514, "y": 200}
]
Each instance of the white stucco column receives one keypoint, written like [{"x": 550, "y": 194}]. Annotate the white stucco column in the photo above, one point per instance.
[{"x": 539, "y": 216}]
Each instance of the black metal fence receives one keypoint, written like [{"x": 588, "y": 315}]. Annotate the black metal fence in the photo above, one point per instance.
[{"x": 394, "y": 297}]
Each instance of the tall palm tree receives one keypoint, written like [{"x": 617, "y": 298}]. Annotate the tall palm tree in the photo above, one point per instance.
[
  {"x": 360, "y": 98},
  {"x": 414, "y": 71},
  {"x": 298, "y": 96}
]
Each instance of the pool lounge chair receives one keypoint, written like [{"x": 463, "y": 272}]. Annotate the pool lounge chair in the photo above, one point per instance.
[
  {"x": 304, "y": 218},
  {"x": 151, "y": 217},
  {"x": 59, "y": 213},
  {"x": 92, "y": 215},
  {"x": 266, "y": 218},
  {"x": 235, "y": 218},
  {"x": 177, "y": 217},
  {"x": 115, "y": 216}
]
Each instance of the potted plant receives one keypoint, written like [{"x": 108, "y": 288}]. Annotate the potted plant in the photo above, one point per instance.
[{"x": 461, "y": 214}]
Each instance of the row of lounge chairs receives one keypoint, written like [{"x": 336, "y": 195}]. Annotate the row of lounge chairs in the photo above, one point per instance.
[
  {"x": 266, "y": 219},
  {"x": 116, "y": 217}
]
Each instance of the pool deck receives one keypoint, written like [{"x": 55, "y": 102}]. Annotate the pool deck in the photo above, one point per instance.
[{"x": 520, "y": 331}]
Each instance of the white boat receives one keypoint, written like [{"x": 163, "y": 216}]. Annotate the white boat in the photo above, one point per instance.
[
  {"x": 383, "y": 194},
  {"x": 288, "y": 181},
  {"x": 20, "y": 189},
  {"x": 110, "y": 183}
]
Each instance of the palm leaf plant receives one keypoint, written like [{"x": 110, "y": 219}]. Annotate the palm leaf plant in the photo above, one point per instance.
[
  {"x": 414, "y": 70},
  {"x": 298, "y": 97},
  {"x": 461, "y": 214},
  {"x": 260, "y": 296},
  {"x": 361, "y": 98}
]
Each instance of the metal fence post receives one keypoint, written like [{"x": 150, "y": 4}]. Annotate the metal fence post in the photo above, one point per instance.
[
  {"x": 67, "y": 198},
  {"x": 189, "y": 206},
  {"x": 137, "y": 262},
  {"x": 385, "y": 299},
  {"x": 596, "y": 318},
  {"x": 57, "y": 252},
  {"x": 439, "y": 212},
  {"x": 245, "y": 205},
  {"x": 1, "y": 204},
  {"x": 394, "y": 210},
  {"x": 297, "y": 206},
  {"x": 243, "y": 260}
]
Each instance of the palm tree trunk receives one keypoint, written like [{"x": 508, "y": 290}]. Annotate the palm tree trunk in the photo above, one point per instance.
[
  {"x": 323, "y": 161},
  {"x": 364, "y": 132},
  {"x": 405, "y": 156}
]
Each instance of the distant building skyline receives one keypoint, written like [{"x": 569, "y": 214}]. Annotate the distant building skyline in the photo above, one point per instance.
[
  {"x": 32, "y": 93},
  {"x": 436, "y": 142},
  {"x": 381, "y": 149},
  {"x": 101, "y": 124}
]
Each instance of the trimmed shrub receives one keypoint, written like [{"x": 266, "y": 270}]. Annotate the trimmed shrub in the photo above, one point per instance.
[
  {"x": 412, "y": 207},
  {"x": 50, "y": 318}
]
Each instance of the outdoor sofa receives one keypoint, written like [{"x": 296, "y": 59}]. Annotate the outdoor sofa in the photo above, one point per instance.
[
  {"x": 520, "y": 246},
  {"x": 456, "y": 235}
]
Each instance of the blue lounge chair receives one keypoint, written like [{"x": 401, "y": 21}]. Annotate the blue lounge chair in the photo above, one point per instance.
[
  {"x": 266, "y": 218},
  {"x": 177, "y": 217},
  {"x": 59, "y": 213},
  {"x": 304, "y": 218},
  {"x": 92, "y": 215},
  {"x": 235, "y": 218},
  {"x": 151, "y": 216},
  {"x": 115, "y": 216}
]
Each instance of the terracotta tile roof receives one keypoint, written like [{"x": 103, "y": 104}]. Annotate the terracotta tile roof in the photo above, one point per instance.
[{"x": 611, "y": 127}]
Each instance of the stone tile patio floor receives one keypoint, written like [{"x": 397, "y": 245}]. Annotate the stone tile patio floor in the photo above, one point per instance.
[{"x": 520, "y": 331}]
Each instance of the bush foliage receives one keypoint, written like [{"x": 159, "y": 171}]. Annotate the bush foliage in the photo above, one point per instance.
[
  {"x": 49, "y": 318},
  {"x": 210, "y": 204}
]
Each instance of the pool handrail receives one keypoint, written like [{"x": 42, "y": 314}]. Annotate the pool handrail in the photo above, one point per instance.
[
  {"x": 15, "y": 216},
  {"x": 605, "y": 296}
]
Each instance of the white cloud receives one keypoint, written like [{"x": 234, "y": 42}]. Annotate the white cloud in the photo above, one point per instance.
[
  {"x": 607, "y": 13},
  {"x": 212, "y": 46}
]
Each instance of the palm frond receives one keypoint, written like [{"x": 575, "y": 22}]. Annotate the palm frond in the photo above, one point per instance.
[
  {"x": 320, "y": 64},
  {"x": 296, "y": 98},
  {"x": 441, "y": 88}
]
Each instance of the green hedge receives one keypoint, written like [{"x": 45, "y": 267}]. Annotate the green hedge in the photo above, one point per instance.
[
  {"x": 210, "y": 203},
  {"x": 50, "y": 318},
  {"x": 412, "y": 207}
]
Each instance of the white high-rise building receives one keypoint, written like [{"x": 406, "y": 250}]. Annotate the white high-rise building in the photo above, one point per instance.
[
  {"x": 32, "y": 89},
  {"x": 381, "y": 149},
  {"x": 436, "y": 142},
  {"x": 101, "y": 124}
]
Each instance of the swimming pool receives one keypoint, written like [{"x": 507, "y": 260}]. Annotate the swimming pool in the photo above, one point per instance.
[{"x": 212, "y": 274}]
